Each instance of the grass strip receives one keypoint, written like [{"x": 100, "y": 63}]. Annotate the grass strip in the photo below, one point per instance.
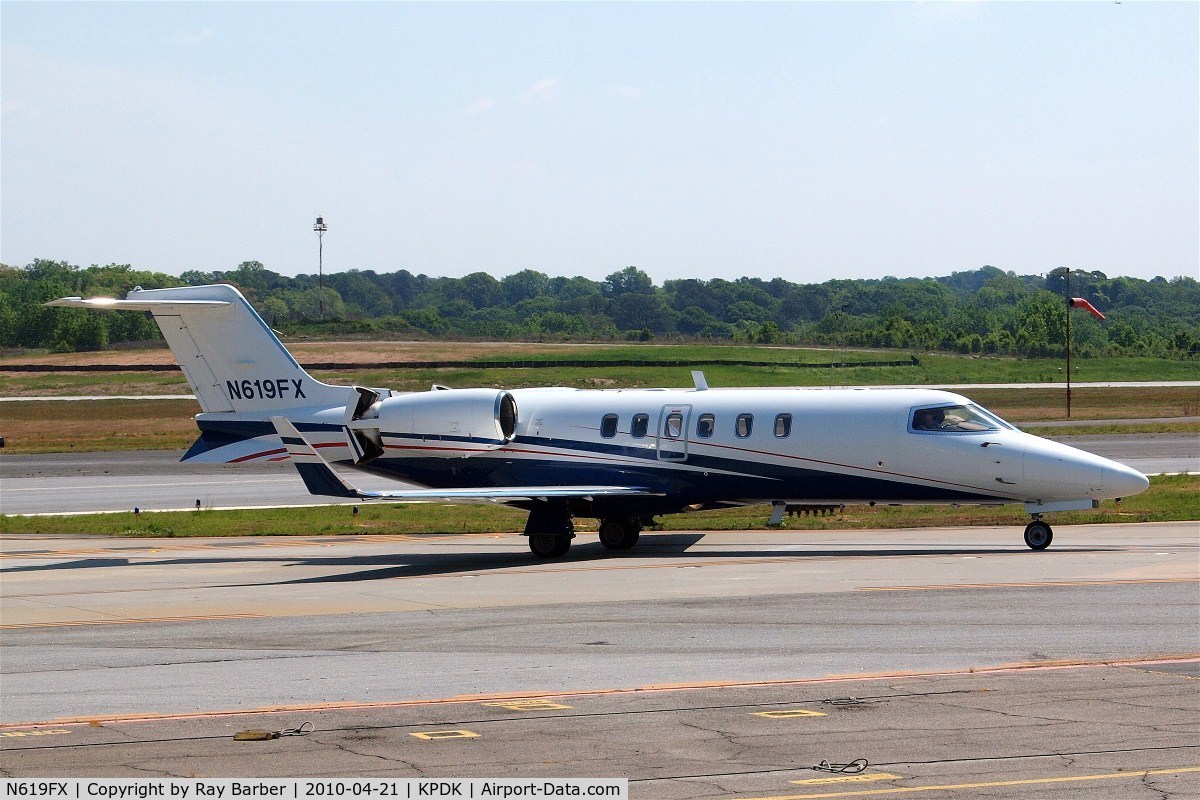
[
  {"x": 1169, "y": 498},
  {"x": 96, "y": 425}
]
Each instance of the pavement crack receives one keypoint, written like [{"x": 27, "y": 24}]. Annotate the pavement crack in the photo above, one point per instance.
[
  {"x": 158, "y": 773},
  {"x": 719, "y": 788},
  {"x": 384, "y": 758},
  {"x": 738, "y": 750},
  {"x": 1148, "y": 782},
  {"x": 1020, "y": 715}
]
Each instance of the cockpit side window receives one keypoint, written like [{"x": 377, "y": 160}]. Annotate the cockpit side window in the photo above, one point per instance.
[{"x": 955, "y": 419}]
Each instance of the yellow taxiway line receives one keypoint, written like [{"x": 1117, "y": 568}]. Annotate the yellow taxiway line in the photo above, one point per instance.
[
  {"x": 946, "y": 787},
  {"x": 352, "y": 705}
]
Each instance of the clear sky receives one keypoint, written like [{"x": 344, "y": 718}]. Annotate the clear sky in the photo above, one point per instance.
[{"x": 798, "y": 140}]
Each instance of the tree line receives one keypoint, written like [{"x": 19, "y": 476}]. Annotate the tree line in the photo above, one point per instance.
[{"x": 986, "y": 310}]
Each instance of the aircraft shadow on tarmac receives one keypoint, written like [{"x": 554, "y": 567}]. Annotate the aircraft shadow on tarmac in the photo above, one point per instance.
[{"x": 389, "y": 566}]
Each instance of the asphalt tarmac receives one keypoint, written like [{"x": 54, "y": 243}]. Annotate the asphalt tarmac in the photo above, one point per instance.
[
  {"x": 698, "y": 665},
  {"x": 74, "y": 483},
  {"x": 152, "y": 480}
]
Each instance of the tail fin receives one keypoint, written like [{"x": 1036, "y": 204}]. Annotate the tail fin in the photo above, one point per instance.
[{"x": 230, "y": 357}]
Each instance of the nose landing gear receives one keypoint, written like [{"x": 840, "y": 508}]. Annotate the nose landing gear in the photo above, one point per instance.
[{"x": 1038, "y": 534}]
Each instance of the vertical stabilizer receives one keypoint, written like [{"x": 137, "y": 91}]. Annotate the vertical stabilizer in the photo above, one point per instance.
[{"x": 232, "y": 360}]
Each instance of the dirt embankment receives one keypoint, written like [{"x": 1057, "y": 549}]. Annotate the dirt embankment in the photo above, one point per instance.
[{"x": 352, "y": 352}]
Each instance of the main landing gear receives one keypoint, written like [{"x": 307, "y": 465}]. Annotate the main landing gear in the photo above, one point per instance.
[
  {"x": 548, "y": 545},
  {"x": 620, "y": 533},
  {"x": 1038, "y": 534},
  {"x": 550, "y": 530}
]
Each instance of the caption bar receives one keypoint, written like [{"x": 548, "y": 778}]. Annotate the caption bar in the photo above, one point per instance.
[{"x": 298, "y": 788}]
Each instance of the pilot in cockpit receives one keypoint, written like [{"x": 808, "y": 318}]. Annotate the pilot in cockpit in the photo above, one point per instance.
[{"x": 929, "y": 419}]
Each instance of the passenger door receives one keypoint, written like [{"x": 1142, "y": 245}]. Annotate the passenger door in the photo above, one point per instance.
[{"x": 672, "y": 432}]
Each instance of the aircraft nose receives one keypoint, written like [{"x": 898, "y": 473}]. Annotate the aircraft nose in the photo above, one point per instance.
[{"x": 1123, "y": 481}]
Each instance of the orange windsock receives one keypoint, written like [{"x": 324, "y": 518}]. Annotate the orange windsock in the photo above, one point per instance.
[{"x": 1079, "y": 302}]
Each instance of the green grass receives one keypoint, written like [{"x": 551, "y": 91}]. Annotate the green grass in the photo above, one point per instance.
[
  {"x": 109, "y": 425},
  {"x": 66, "y": 384},
  {"x": 407, "y": 518},
  {"x": 934, "y": 369},
  {"x": 1168, "y": 498},
  {"x": 944, "y": 368}
]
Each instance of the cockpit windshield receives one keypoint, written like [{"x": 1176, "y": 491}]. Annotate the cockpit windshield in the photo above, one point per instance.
[{"x": 956, "y": 419}]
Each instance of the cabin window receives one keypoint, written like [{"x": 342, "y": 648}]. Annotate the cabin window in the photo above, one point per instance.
[
  {"x": 955, "y": 419},
  {"x": 744, "y": 425},
  {"x": 705, "y": 426},
  {"x": 783, "y": 426},
  {"x": 608, "y": 426},
  {"x": 641, "y": 422},
  {"x": 673, "y": 427}
]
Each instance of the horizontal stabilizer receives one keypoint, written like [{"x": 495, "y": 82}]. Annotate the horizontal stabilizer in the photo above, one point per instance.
[
  {"x": 161, "y": 306},
  {"x": 321, "y": 479},
  {"x": 232, "y": 360}
]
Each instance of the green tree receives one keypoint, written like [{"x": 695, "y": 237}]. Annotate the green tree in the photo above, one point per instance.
[
  {"x": 630, "y": 280},
  {"x": 633, "y": 311},
  {"x": 275, "y": 310},
  {"x": 524, "y": 285}
]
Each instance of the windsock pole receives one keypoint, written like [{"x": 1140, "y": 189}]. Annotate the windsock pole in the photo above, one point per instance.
[
  {"x": 1068, "y": 343},
  {"x": 1075, "y": 302},
  {"x": 1068, "y": 347}
]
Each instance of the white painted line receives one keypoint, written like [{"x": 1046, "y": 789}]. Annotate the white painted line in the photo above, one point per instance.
[
  {"x": 192, "y": 509},
  {"x": 221, "y": 481}
]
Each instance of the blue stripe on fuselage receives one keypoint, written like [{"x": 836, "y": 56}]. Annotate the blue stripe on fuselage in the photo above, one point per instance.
[
  {"x": 703, "y": 478},
  {"x": 723, "y": 479}
]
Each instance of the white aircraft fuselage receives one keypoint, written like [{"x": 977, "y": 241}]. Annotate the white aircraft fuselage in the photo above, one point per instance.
[{"x": 620, "y": 455}]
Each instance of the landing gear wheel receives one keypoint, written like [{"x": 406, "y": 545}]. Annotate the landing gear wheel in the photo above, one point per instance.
[
  {"x": 547, "y": 545},
  {"x": 550, "y": 530},
  {"x": 619, "y": 534},
  {"x": 1038, "y": 535}
]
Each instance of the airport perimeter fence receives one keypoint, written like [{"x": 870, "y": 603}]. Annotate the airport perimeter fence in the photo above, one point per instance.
[{"x": 523, "y": 364}]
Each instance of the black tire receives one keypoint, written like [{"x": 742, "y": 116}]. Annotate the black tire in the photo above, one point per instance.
[
  {"x": 617, "y": 534},
  {"x": 612, "y": 533},
  {"x": 1038, "y": 535},
  {"x": 547, "y": 545}
]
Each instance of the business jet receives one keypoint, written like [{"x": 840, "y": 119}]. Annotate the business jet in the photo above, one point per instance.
[{"x": 621, "y": 456}]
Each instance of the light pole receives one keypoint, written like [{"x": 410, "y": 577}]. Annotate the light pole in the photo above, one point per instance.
[{"x": 320, "y": 227}]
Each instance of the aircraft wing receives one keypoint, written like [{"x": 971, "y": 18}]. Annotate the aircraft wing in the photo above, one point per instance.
[{"x": 321, "y": 479}]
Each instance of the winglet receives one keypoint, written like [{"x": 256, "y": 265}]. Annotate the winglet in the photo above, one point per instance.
[{"x": 316, "y": 473}]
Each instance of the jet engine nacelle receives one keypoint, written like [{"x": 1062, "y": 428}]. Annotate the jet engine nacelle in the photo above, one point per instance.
[{"x": 474, "y": 418}]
